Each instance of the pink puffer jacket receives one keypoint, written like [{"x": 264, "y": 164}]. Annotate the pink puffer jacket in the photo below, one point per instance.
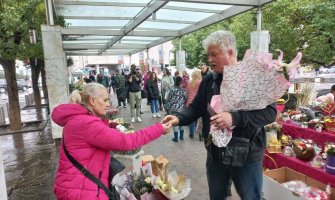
[{"x": 89, "y": 140}]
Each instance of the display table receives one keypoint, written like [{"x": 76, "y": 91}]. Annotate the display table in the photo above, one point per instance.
[
  {"x": 300, "y": 166},
  {"x": 308, "y": 133}
]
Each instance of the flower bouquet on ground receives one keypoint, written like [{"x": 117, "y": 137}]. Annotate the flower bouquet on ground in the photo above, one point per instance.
[
  {"x": 132, "y": 185},
  {"x": 172, "y": 185},
  {"x": 146, "y": 186}
]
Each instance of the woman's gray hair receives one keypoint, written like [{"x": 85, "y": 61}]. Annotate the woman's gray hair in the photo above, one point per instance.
[
  {"x": 89, "y": 90},
  {"x": 225, "y": 39}
]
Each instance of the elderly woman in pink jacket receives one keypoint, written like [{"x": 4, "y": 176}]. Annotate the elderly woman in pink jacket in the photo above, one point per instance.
[{"x": 89, "y": 140}]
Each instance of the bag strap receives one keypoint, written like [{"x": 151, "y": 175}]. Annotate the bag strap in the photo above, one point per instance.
[{"x": 87, "y": 173}]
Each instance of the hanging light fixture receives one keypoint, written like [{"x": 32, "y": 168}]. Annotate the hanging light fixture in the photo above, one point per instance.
[{"x": 32, "y": 35}]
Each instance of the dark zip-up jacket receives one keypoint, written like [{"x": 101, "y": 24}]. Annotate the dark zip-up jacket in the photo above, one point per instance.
[
  {"x": 248, "y": 124},
  {"x": 152, "y": 88},
  {"x": 135, "y": 85}
]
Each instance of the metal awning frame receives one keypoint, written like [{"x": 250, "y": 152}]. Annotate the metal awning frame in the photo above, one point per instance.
[{"x": 134, "y": 37}]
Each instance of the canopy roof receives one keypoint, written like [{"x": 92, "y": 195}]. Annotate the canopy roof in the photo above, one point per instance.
[{"x": 125, "y": 27}]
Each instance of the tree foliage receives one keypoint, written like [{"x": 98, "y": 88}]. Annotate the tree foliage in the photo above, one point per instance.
[
  {"x": 16, "y": 17},
  {"x": 300, "y": 25}
]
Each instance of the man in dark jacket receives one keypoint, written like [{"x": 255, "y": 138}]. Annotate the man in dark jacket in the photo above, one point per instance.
[
  {"x": 204, "y": 69},
  {"x": 241, "y": 160},
  {"x": 120, "y": 86}
]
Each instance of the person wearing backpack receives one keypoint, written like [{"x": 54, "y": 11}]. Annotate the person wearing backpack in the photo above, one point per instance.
[{"x": 175, "y": 103}]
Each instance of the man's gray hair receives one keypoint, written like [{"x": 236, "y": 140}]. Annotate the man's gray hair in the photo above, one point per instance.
[{"x": 225, "y": 39}]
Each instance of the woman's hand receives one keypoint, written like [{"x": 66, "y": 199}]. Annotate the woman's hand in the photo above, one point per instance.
[{"x": 167, "y": 127}]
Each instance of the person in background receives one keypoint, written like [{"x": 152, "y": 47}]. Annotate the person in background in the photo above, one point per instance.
[
  {"x": 175, "y": 103},
  {"x": 176, "y": 73},
  {"x": 103, "y": 80},
  {"x": 87, "y": 80},
  {"x": 120, "y": 86},
  {"x": 153, "y": 92},
  {"x": 134, "y": 86},
  {"x": 145, "y": 79},
  {"x": 89, "y": 140},
  {"x": 328, "y": 97},
  {"x": 248, "y": 135},
  {"x": 192, "y": 89},
  {"x": 92, "y": 77},
  {"x": 204, "y": 69},
  {"x": 113, "y": 82},
  {"x": 166, "y": 85},
  {"x": 185, "y": 80}
]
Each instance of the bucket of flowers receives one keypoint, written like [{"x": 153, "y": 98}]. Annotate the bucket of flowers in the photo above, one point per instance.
[
  {"x": 126, "y": 128},
  {"x": 111, "y": 113}
]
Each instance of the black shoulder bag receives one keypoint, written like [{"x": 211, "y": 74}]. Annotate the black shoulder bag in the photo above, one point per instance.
[{"x": 111, "y": 193}]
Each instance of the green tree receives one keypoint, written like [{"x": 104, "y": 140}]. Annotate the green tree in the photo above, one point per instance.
[
  {"x": 301, "y": 25},
  {"x": 15, "y": 20}
]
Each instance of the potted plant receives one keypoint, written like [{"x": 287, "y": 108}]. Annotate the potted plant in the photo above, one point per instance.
[{"x": 330, "y": 166}]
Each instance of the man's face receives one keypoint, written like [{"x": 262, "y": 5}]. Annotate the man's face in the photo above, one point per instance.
[
  {"x": 203, "y": 68},
  {"x": 217, "y": 58}
]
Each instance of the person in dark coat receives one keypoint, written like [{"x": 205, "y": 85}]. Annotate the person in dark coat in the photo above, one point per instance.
[
  {"x": 120, "y": 86},
  {"x": 241, "y": 159},
  {"x": 152, "y": 87}
]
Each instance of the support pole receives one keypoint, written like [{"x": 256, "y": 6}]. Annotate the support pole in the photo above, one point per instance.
[
  {"x": 49, "y": 12},
  {"x": 260, "y": 39},
  {"x": 2, "y": 115},
  {"x": 26, "y": 98},
  {"x": 179, "y": 39},
  {"x": 259, "y": 19}
]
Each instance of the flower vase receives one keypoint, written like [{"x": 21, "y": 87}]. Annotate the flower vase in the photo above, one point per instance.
[{"x": 330, "y": 165}]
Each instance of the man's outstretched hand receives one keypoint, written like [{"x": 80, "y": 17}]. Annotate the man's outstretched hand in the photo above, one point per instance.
[{"x": 170, "y": 119}]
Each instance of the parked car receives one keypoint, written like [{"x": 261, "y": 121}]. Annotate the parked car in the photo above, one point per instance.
[
  {"x": 21, "y": 85},
  {"x": 324, "y": 70}
]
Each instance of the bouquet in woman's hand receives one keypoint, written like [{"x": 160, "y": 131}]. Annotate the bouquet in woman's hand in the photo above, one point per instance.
[{"x": 252, "y": 84}]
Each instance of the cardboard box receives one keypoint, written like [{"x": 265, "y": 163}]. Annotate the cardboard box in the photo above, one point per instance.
[
  {"x": 147, "y": 158},
  {"x": 273, "y": 190},
  {"x": 157, "y": 164}
]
